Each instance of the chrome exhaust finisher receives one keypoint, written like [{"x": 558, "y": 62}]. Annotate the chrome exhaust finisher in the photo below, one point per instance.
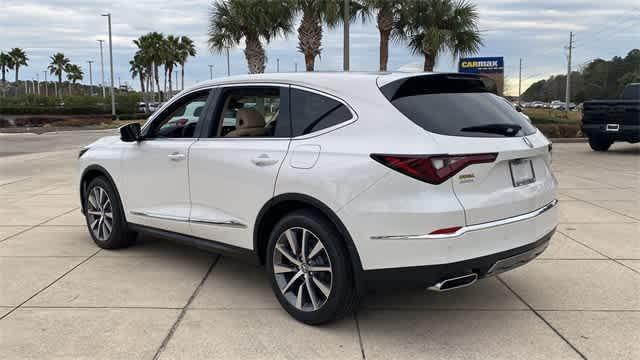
[{"x": 454, "y": 283}]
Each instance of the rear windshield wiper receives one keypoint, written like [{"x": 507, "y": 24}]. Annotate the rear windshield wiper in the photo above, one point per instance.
[{"x": 502, "y": 129}]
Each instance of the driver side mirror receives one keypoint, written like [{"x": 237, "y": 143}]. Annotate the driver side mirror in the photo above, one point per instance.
[
  {"x": 130, "y": 132},
  {"x": 518, "y": 108}
]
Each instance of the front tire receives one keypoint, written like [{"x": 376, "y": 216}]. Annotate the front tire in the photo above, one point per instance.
[
  {"x": 598, "y": 143},
  {"x": 310, "y": 269},
  {"x": 105, "y": 217}
]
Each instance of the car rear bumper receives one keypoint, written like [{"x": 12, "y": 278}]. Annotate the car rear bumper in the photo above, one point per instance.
[
  {"x": 383, "y": 243},
  {"x": 430, "y": 275},
  {"x": 624, "y": 132}
]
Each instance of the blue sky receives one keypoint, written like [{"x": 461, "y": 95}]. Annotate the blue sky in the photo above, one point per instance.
[{"x": 534, "y": 30}]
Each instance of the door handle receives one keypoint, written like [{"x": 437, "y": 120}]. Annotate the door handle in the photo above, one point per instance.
[
  {"x": 264, "y": 160},
  {"x": 176, "y": 156}
]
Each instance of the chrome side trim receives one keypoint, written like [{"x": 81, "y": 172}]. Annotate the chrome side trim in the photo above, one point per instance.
[
  {"x": 159, "y": 216},
  {"x": 228, "y": 223},
  {"x": 475, "y": 227}
]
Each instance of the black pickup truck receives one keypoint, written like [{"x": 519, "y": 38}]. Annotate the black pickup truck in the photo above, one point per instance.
[{"x": 607, "y": 121}]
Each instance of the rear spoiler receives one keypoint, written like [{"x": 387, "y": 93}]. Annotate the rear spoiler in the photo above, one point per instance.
[{"x": 439, "y": 84}]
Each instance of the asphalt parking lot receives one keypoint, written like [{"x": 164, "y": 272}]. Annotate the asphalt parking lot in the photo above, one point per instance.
[{"x": 62, "y": 297}]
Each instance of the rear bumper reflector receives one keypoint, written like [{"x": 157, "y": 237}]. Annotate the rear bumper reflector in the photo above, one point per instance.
[{"x": 475, "y": 227}]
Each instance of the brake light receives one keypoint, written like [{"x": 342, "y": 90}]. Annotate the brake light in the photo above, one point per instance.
[{"x": 433, "y": 169}]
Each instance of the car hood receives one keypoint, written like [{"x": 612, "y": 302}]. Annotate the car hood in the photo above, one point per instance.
[{"x": 107, "y": 140}]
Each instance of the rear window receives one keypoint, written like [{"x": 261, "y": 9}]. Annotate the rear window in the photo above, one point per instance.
[{"x": 456, "y": 105}]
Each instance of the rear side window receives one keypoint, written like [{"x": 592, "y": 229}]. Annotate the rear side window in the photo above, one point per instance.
[
  {"x": 456, "y": 105},
  {"x": 312, "y": 112}
]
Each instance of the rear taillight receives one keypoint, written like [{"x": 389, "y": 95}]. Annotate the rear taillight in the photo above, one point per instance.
[
  {"x": 446, "y": 231},
  {"x": 433, "y": 169}
]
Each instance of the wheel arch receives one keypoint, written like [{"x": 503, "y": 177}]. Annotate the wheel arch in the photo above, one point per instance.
[
  {"x": 282, "y": 204},
  {"x": 89, "y": 173}
]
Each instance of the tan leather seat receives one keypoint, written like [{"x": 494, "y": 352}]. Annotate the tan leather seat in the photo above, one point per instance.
[{"x": 249, "y": 122}]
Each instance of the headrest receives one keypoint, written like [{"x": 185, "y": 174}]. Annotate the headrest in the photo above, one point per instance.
[{"x": 249, "y": 118}]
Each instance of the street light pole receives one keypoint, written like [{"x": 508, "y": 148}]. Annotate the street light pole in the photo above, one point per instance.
[
  {"x": 46, "y": 84},
  {"x": 277, "y": 64},
  {"x": 90, "y": 78},
  {"x": 210, "y": 72},
  {"x": 520, "y": 82},
  {"x": 113, "y": 97},
  {"x": 568, "y": 89},
  {"x": 102, "y": 67},
  {"x": 345, "y": 45},
  {"x": 228, "y": 63}
]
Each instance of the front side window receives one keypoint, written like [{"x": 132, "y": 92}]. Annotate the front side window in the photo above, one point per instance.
[
  {"x": 251, "y": 112},
  {"x": 181, "y": 119},
  {"x": 312, "y": 112}
]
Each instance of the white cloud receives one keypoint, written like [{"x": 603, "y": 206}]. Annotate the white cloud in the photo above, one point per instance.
[{"x": 535, "y": 30}]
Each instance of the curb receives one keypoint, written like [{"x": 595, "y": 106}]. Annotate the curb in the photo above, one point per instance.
[
  {"x": 54, "y": 132},
  {"x": 16, "y": 133}
]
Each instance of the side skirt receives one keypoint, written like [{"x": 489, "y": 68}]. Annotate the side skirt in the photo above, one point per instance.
[{"x": 245, "y": 255}]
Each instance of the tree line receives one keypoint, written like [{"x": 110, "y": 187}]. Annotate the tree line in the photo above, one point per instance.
[
  {"x": 427, "y": 27},
  {"x": 17, "y": 58},
  {"x": 155, "y": 51},
  {"x": 12, "y": 60},
  {"x": 598, "y": 79}
]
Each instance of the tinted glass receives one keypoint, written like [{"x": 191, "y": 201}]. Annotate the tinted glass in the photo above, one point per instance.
[
  {"x": 181, "y": 119},
  {"x": 312, "y": 112},
  {"x": 457, "y": 106},
  {"x": 251, "y": 112}
]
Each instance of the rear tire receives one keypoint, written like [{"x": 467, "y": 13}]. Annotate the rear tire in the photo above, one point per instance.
[
  {"x": 105, "y": 217},
  {"x": 310, "y": 269},
  {"x": 598, "y": 143}
]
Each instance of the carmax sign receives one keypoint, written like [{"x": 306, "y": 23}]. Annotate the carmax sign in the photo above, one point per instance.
[
  {"x": 482, "y": 65},
  {"x": 490, "y": 67}
]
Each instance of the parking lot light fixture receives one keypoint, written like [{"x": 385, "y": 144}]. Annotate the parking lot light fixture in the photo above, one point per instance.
[
  {"x": 102, "y": 68},
  {"x": 113, "y": 97}
]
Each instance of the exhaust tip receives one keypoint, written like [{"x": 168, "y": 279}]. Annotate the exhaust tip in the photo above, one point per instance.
[{"x": 454, "y": 283}]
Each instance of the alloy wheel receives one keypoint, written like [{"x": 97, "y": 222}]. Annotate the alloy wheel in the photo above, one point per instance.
[
  {"x": 302, "y": 269},
  {"x": 99, "y": 213}
]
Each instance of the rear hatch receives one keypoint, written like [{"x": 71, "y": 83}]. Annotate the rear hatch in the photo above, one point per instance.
[{"x": 465, "y": 117}]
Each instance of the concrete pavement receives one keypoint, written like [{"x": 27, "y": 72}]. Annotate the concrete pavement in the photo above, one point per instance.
[{"x": 62, "y": 297}]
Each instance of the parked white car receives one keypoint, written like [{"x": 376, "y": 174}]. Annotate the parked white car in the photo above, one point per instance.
[{"x": 337, "y": 183}]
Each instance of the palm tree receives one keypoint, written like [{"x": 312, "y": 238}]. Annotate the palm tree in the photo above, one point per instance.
[
  {"x": 171, "y": 48},
  {"x": 152, "y": 46},
  {"x": 18, "y": 58},
  {"x": 433, "y": 26},
  {"x": 74, "y": 73},
  {"x": 254, "y": 21},
  {"x": 57, "y": 66},
  {"x": 314, "y": 14},
  {"x": 387, "y": 12},
  {"x": 138, "y": 68},
  {"x": 186, "y": 48},
  {"x": 6, "y": 63}
]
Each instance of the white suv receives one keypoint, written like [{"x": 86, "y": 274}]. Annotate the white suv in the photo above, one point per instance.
[{"x": 338, "y": 183}]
